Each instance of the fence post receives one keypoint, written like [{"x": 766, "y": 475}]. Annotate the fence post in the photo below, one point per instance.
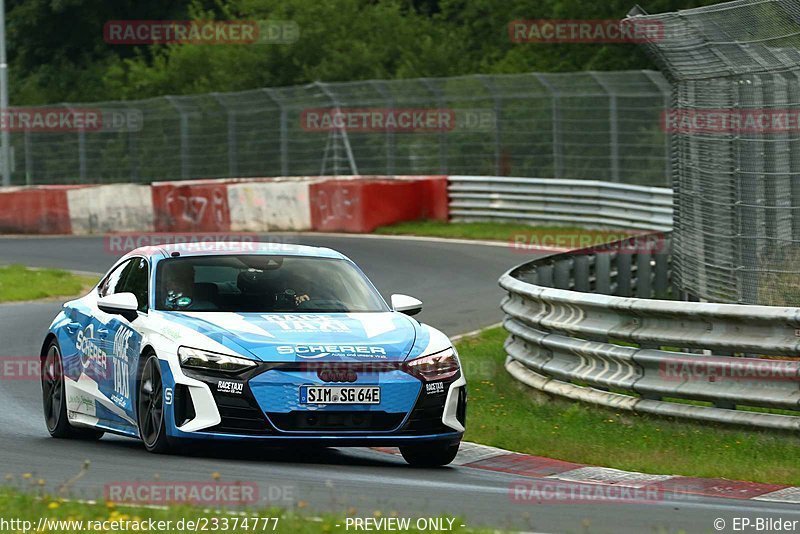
[
  {"x": 133, "y": 147},
  {"x": 184, "y": 129},
  {"x": 342, "y": 131},
  {"x": 284, "y": 131},
  {"x": 230, "y": 115},
  {"x": 28, "y": 158},
  {"x": 81, "y": 149},
  {"x": 555, "y": 117},
  {"x": 613, "y": 125},
  {"x": 498, "y": 109},
  {"x": 437, "y": 93},
  {"x": 666, "y": 93},
  {"x": 380, "y": 86}
]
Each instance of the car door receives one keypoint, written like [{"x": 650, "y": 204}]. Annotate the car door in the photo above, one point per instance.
[
  {"x": 86, "y": 354},
  {"x": 124, "y": 343}
]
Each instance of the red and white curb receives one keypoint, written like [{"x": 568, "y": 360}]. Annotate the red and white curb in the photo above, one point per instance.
[{"x": 475, "y": 456}]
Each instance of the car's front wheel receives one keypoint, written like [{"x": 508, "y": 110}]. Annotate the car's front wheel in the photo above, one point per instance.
[
  {"x": 150, "y": 412},
  {"x": 432, "y": 454},
  {"x": 54, "y": 399}
]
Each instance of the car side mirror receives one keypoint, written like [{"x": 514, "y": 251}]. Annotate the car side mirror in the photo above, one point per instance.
[
  {"x": 124, "y": 304},
  {"x": 406, "y": 304}
]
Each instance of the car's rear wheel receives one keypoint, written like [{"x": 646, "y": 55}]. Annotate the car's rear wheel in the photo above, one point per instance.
[
  {"x": 432, "y": 454},
  {"x": 54, "y": 399},
  {"x": 150, "y": 412}
]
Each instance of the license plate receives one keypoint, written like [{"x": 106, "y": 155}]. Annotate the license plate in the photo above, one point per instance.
[{"x": 340, "y": 395}]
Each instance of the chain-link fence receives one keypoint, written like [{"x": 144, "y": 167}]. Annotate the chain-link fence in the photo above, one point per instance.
[
  {"x": 735, "y": 74},
  {"x": 592, "y": 125}
]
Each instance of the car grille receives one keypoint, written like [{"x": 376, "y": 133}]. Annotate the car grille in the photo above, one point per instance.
[{"x": 240, "y": 416}]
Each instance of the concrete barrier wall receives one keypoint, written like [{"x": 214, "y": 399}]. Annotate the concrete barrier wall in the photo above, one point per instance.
[
  {"x": 269, "y": 206},
  {"x": 110, "y": 208},
  {"x": 349, "y": 204},
  {"x": 361, "y": 206},
  {"x": 196, "y": 206},
  {"x": 35, "y": 210}
]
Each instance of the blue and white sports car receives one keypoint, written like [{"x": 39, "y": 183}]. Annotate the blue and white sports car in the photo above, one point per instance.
[{"x": 283, "y": 344}]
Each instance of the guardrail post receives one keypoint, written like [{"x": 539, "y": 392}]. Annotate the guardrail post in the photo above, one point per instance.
[
  {"x": 623, "y": 261},
  {"x": 644, "y": 288},
  {"x": 581, "y": 277},
  {"x": 561, "y": 273},
  {"x": 544, "y": 275},
  {"x": 602, "y": 273}
]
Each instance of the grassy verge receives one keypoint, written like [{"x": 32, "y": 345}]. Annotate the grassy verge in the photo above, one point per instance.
[
  {"x": 77, "y": 517},
  {"x": 507, "y": 414},
  {"x": 21, "y": 283},
  {"x": 554, "y": 236}
]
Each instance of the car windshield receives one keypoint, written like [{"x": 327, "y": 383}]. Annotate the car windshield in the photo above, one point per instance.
[{"x": 261, "y": 283}]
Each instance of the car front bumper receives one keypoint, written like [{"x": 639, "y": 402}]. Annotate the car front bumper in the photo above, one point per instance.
[{"x": 263, "y": 405}]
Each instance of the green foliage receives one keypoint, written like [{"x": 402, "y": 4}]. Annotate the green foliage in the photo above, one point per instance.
[
  {"x": 57, "y": 50},
  {"x": 19, "y": 283}
]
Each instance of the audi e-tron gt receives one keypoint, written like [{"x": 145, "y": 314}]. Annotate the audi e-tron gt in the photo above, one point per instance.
[{"x": 283, "y": 344}]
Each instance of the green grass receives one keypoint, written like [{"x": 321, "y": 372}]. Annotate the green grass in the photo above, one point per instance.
[
  {"x": 504, "y": 413},
  {"x": 21, "y": 283},
  {"x": 31, "y": 505},
  {"x": 554, "y": 236}
]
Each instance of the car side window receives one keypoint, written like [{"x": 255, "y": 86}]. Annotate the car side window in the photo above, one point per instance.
[
  {"x": 113, "y": 282},
  {"x": 136, "y": 282}
]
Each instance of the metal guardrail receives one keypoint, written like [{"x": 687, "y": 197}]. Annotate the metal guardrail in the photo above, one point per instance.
[
  {"x": 585, "y": 325},
  {"x": 541, "y": 200}
]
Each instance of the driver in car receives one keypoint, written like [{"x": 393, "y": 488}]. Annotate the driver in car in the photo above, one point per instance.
[
  {"x": 300, "y": 289},
  {"x": 179, "y": 284}
]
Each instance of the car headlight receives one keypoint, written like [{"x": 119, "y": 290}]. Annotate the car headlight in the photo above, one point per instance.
[
  {"x": 212, "y": 361},
  {"x": 437, "y": 366}
]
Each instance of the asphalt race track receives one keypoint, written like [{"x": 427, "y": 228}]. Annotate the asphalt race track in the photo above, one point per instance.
[{"x": 457, "y": 282}]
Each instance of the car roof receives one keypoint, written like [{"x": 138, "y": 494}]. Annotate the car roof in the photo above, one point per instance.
[{"x": 219, "y": 248}]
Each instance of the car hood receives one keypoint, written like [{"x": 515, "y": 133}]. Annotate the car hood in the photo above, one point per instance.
[{"x": 289, "y": 337}]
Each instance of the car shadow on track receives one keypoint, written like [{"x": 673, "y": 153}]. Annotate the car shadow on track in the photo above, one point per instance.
[{"x": 257, "y": 453}]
